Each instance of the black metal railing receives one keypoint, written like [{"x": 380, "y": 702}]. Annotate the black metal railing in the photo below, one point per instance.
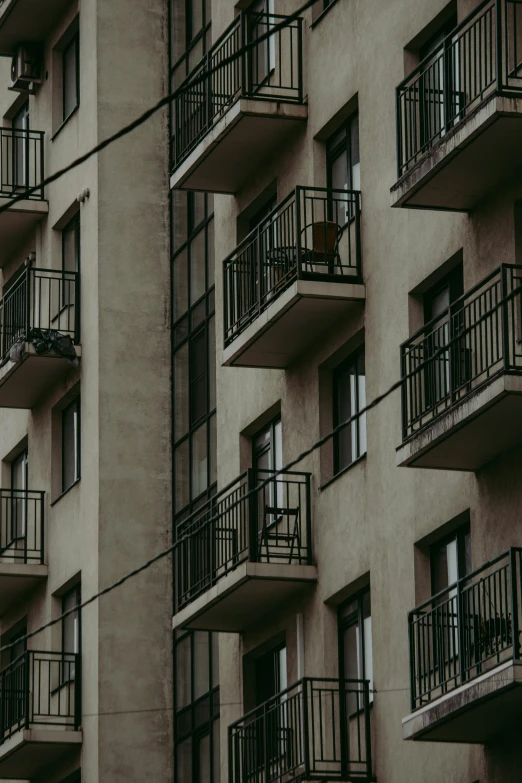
[
  {"x": 481, "y": 57},
  {"x": 244, "y": 521},
  {"x": 468, "y": 344},
  {"x": 40, "y": 689},
  {"x": 43, "y": 299},
  {"x": 318, "y": 729},
  {"x": 22, "y": 528},
  {"x": 21, "y": 162},
  {"x": 467, "y": 629},
  {"x": 272, "y": 71},
  {"x": 313, "y": 234}
]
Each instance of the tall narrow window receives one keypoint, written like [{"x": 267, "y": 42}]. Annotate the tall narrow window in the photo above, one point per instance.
[
  {"x": 270, "y": 682},
  {"x": 267, "y": 447},
  {"x": 71, "y": 444},
  {"x": 21, "y": 164},
  {"x": 355, "y": 642},
  {"x": 450, "y": 559},
  {"x": 19, "y": 473},
  {"x": 342, "y": 159},
  {"x": 71, "y": 245},
  {"x": 71, "y": 632},
  {"x": 349, "y": 397},
  {"x": 71, "y": 76}
]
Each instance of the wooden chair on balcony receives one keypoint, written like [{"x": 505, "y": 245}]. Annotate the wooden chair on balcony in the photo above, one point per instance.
[{"x": 326, "y": 235}]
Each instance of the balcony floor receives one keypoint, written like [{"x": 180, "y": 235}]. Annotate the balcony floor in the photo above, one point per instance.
[
  {"x": 23, "y": 384},
  {"x": 475, "y": 713},
  {"x": 295, "y": 320},
  {"x": 16, "y": 580},
  {"x": 483, "y": 426},
  {"x": 468, "y": 162},
  {"x": 243, "y": 596},
  {"x": 27, "y": 21},
  {"x": 236, "y": 146},
  {"x": 24, "y": 755},
  {"x": 17, "y": 222}
]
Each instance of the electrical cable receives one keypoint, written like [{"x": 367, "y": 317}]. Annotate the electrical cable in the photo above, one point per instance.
[{"x": 187, "y": 85}]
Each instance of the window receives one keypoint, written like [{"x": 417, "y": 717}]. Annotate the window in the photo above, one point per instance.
[
  {"x": 270, "y": 674},
  {"x": 21, "y": 163},
  {"x": 267, "y": 447},
  {"x": 71, "y": 444},
  {"x": 450, "y": 559},
  {"x": 343, "y": 166},
  {"x": 262, "y": 57},
  {"x": 19, "y": 473},
  {"x": 71, "y": 245},
  {"x": 269, "y": 737},
  {"x": 349, "y": 397},
  {"x": 71, "y": 76},
  {"x": 355, "y": 643},
  {"x": 71, "y": 632},
  {"x": 19, "y": 642}
]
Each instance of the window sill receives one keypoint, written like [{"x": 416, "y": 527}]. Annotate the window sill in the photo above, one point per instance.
[
  {"x": 323, "y": 14},
  {"x": 65, "y": 491},
  {"x": 66, "y": 120},
  {"x": 343, "y": 471}
]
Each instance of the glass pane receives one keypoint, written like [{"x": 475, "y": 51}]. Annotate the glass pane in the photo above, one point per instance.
[
  {"x": 351, "y": 654},
  {"x": 70, "y": 627},
  {"x": 181, "y": 387},
  {"x": 70, "y": 92},
  {"x": 368, "y": 655},
  {"x": 199, "y": 461},
  {"x": 215, "y": 659},
  {"x": 183, "y": 673},
  {"x": 278, "y": 446},
  {"x": 181, "y": 475},
  {"x": 213, "y": 449},
  {"x": 180, "y": 285},
  {"x": 356, "y": 166},
  {"x": 211, "y": 258},
  {"x": 439, "y": 568},
  {"x": 201, "y": 664},
  {"x": 339, "y": 171},
  {"x": 184, "y": 758},
  {"x": 204, "y": 759},
  {"x": 69, "y": 250},
  {"x": 179, "y": 218},
  {"x": 196, "y": 17},
  {"x": 197, "y": 266},
  {"x": 345, "y": 406},
  {"x": 70, "y": 445},
  {"x": 215, "y": 751},
  {"x": 198, "y": 376},
  {"x": 212, "y": 362},
  {"x": 197, "y": 209}
]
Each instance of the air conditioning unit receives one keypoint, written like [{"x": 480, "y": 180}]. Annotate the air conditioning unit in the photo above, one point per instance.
[{"x": 26, "y": 68}]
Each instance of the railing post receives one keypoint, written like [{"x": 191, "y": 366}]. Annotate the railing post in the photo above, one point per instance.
[
  {"x": 29, "y": 657},
  {"x": 258, "y": 253},
  {"x": 252, "y": 516},
  {"x": 514, "y": 604},
  {"x": 298, "y": 230},
  {"x": 266, "y": 757},
  {"x": 42, "y": 169},
  {"x": 309, "y": 552},
  {"x": 404, "y": 394},
  {"x": 300, "y": 58},
  {"x": 411, "y": 640},
  {"x": 245, "y": 57},
  {"x": 77, "y": 690},
  {"x": 504, "y": 315},
  {"x": 42, "y": 528},
  {"x": 27, "y": 302},
  {"x": 367, "y": 729},
  {"x": 77, "y": 307},
  {"x": 499, "y": 44},
  {"x": 398, "y": 131},
  {"x": 460, "y": 631},
  {"x": 306, "y": 729}
]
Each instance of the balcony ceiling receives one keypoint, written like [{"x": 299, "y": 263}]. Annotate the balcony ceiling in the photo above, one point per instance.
[
  {"x": 24, "y": 384},
  {"x": 28, "y": 752},
  {"x": 16, "y": 223},
  {"x": 16, "y": 580},
  {"x": 27, "y": 21}
]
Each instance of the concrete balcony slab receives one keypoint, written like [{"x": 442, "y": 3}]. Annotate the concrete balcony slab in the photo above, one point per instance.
[
  {"x": 27, "y": 21},
  {"x": 18, "y": 579},
  {"x": 482, "y": 426},
  {"x": 295, "y": 319},
  {"x": 17, "y": 222},
  {"x": 469, "y": 161},
  {"x": 236, "y": 146},
  {"x": 477, "y": 712},
  {"x": 23, "y": 384},
  {"x": 247, "y": 593},
  {"x": 29, "y": 751}
]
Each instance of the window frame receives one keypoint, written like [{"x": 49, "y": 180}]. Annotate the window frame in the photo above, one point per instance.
[
  {"x": 350, "y": 361},
  {"x": 75, "y": 591},
  {"x": 355, "y": 619},
  {"x": 74, "y": 41},
  {"x": 342, "y": 147},
  {"x": 459, "y": 535},
  {"x": 77, "y": 437}
]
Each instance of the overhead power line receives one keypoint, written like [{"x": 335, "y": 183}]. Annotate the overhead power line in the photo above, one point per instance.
[{"x": 187, "y": 85}]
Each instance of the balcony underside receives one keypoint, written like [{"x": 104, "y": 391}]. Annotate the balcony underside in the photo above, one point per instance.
[
  {"x": 245, "y": 595},
  {"x": 26, "y": 21},
  {"x": 477, "y": 712},
  {"x": 29, "y": 751},
  {"x": 237, "y": 145},
  {"x": 16, "y": 223},
  {"x": 468, "y": 162},
  {"x": 23, "y": 384},
  {"x": 286, "y": 328},
  {"x": 485, "y": 425},
  {"x": 18, "y": 579}
]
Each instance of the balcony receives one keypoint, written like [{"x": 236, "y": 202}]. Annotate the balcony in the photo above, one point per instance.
[
  {"x": 245, "y": 553},
  {"x": 459, "y": 115},
  {"x": 318, "y": 729},
  {"x": 465, "y": 667},
  {"x": 293, "y": 277},
  {"x": 40, "y": 712},
  {"x": 39, "y": 334},
  {"x": 21, "y": 168},
  {"x": 228, "y": 123},
  {"x": 27, "y": 21},
  {"x": 21, "y": 544},
  {"x": 462, "y": 379}
]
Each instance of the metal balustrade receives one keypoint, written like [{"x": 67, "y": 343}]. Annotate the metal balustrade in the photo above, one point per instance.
[
  {"x": 21, "y": 526},
  {"x": 466, "y": 629},
  {"x": 43, "y": 299},
  {"x": 478, "y": 337},
  {"x": 21, "y": 162},
  {"x": 40, "y": 689},
  {"x": 313, "y": 234},
  {"x": 478, "y": 59},
  {"x": 271, "y": 71},
  {"x": 270, "y": 525},
  {"x": 318, "y": 729}
]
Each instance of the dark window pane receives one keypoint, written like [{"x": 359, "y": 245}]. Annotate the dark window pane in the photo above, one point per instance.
[
  {"x": 204, "y": 759},
  {"x": 198, "y": 376},
  {"x": 179, "y": 217},
  {"x": 70, "y": 77},
  {"x": 184, "y": 759},
  {"x": 197, "y": 267},
  {"x": 180, "y": 285},
  {"x": 199, "y": 461},
  {"x": 181, "y": 475},
  {"x": 181, "y": 391},
  {"x": 201, "y": 664},
  {"x": 183, "y": 673},
  {"x": 71, "y": 444},
  {"x": 210, "y": 260}
]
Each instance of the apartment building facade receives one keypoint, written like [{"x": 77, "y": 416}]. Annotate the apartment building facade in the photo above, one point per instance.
[
  {"x": 85, "y": 395},
  {"x": 364, "y": 166}
]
